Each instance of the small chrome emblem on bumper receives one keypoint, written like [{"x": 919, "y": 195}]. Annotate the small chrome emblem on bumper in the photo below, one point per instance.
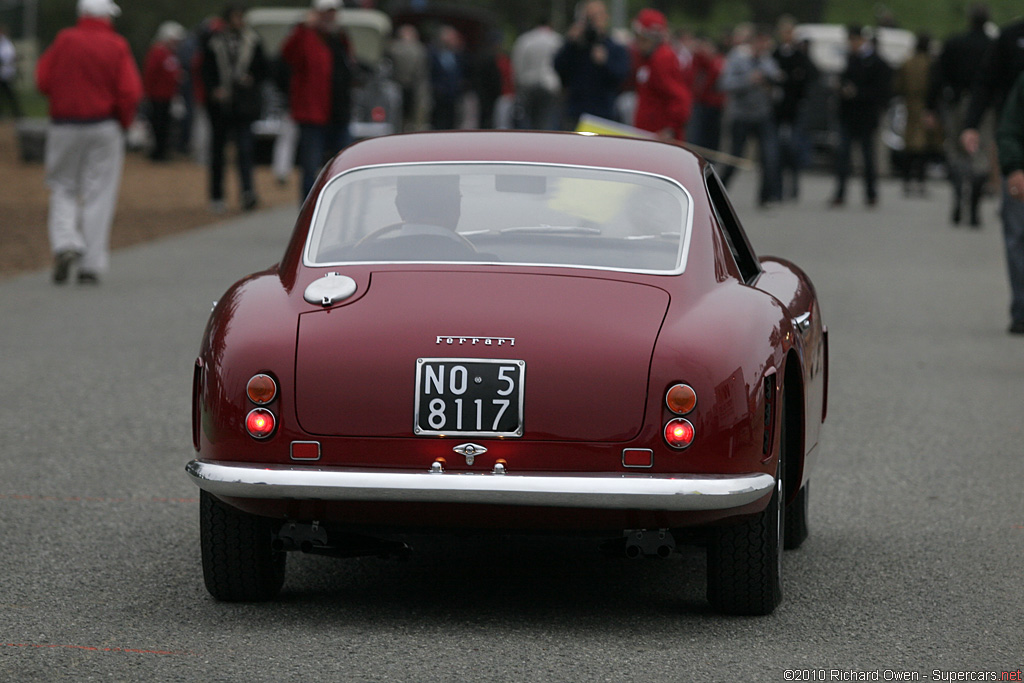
[{"x": 470, "y": 451}]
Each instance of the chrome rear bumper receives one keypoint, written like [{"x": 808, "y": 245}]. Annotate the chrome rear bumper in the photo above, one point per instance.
[{"x": 589, "y": 491}]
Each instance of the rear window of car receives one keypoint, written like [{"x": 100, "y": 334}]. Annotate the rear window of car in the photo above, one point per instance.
[{"x": 507, "y": 213}]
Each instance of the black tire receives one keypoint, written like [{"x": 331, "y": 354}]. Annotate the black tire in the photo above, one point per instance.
[
  {"x": 745, "y": 560},
  {"x": 796, "y": 519},
  {"x": 239, "y": 564}
]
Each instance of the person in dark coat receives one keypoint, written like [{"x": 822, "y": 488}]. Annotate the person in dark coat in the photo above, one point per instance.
[
  {"x": 487, "y": 79},
  {"x": 863, "y": 95},
  {"x": 447, "y": 78},
  {"x": 233, "y": 69},
  {"x": 798, "y": 73},
  {"x": 591, "y": 65},
  {"x": 1003, "y": 62},
  {"x": 1010, "y": 137},
  {"x": 949, "y": 96}
]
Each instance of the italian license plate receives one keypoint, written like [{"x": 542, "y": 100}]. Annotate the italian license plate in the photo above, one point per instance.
[{"x": 469, "y": 397}]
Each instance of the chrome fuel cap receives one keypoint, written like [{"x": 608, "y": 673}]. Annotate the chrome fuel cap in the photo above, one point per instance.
[{"x": 330, "y": 289}]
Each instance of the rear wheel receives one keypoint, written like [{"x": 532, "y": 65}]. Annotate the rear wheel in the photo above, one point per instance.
[
  {"x": 745, "y": 560},
  {"x": 239, "y": 564}
]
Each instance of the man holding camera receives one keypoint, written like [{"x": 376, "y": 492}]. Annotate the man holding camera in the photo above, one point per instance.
[{"x": 591, "y": 65}]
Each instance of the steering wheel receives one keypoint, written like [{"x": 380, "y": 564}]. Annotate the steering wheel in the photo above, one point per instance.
[{"x": 440, "y": 232}]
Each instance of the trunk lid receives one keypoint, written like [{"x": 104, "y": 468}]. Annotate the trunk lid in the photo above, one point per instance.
[{"x": 586, "y": 343}]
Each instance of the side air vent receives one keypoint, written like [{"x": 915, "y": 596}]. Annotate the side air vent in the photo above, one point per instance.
[{"x": 769, "y": 413}]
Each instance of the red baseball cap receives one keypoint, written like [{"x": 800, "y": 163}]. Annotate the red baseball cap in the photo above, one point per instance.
[{"x": 650, "y": 20}]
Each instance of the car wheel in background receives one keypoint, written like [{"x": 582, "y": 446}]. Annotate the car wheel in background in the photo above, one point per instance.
[{"x": 239, "y": 564}]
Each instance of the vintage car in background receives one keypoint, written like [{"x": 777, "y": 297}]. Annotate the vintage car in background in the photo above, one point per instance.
[
  {"x": 512, "y": 332},
  {"x": 376, "y": 99}
]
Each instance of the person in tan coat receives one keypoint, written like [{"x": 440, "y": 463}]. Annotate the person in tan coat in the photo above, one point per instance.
[{"x": 922, "y": 134}]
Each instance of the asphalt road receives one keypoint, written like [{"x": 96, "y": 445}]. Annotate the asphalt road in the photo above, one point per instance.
[{"x": 913, "y": 565}]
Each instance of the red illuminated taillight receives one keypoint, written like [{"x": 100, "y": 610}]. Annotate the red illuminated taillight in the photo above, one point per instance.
[
  {"x": 262, "y": 389},
  {"x": 378, "y": 114},
  {"x": 260, "y": 423},
  {"x": 681, "y": 399},
  {"x": 679, "y": 433}
]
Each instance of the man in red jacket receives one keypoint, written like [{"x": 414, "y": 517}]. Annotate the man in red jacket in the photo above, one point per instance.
[
  {"x": 161, "y": 78},
  {"x": 94, "y": 88},
  {"x": 320, "y": 99},
  {"x": 662, "y": 92}
]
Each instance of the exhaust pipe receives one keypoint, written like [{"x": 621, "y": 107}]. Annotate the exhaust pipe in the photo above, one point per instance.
[{"x": 314, "y": 539}]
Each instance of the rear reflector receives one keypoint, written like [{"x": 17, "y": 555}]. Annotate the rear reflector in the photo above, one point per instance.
[
  {"x": 305, "y": 450},
  {"x": 637, "y": 457}
]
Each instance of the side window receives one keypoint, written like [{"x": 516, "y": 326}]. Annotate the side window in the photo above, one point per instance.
[{"x": 740, "y": 248}]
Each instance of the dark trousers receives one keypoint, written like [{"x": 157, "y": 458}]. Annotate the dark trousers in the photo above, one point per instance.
[
  {"x": 443, "y": 115},
  {"x": 160, "y": 121},
  {"x": 7, "y": 93},
  {"x": 240, "y": 132},
  {"x": 1013, "y": 237},
  {"x": 317, "y": 144},
  {"x": 536, "y": 108},
  {"x": 865, "y": 139}
]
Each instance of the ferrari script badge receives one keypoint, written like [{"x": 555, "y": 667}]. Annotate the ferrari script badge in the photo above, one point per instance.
[
  {"x": 473, "y": 341},
  {"x": 470, "y": 451}
]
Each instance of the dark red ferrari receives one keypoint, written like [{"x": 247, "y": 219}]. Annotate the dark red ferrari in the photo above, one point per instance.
[{"x": 512, "y": 332}]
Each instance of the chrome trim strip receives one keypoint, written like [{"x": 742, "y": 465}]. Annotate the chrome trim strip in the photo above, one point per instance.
[
  {"x": 674, "y": 493},
  {"x": 684, "y": 252}
]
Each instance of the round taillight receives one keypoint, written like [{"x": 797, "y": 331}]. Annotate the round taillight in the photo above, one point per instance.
[
  {"x": 260, "y": 423},
  {"x": 378, "y": 114},
  {"x": 681, "y": 399},
  {"x": 262, "y": 389},
  {"x": 679, "y": 433}
]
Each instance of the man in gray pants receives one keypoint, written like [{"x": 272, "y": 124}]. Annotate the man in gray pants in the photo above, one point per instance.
[{"x": 94, "y": 88}]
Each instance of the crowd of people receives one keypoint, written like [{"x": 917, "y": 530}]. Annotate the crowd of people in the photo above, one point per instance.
[{"x": 755, "y": 83}]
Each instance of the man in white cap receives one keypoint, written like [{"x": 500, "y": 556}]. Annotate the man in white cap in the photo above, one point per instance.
[
  {"x": 94, "y": 88},
  {"x": 161, "y": 80}
]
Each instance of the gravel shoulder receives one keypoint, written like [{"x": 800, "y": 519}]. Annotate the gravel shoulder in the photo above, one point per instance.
[{"x": 155, "y": 200}]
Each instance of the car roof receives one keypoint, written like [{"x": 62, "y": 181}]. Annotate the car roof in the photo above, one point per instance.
[{"x": 571, "y": 149}]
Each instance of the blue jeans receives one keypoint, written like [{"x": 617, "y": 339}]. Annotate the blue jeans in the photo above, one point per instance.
[
  {"x": 317, "y": 144},
  {"x": 1013, "y": 236},
  {"x": 793, "y": 152},
  {"x": 705, "y": 126},
  {"x": 768, "y": 142}
]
